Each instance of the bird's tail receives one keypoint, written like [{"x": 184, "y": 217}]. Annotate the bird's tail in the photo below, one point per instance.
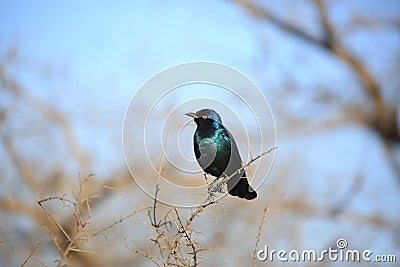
[{"x": 241, "y": 188}]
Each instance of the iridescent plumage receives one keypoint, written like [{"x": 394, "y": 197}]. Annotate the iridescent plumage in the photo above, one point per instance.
[{"x": 217, "y": 153}]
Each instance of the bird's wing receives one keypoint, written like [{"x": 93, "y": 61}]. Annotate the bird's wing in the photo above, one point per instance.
[
  {"x": 234, "y": 164},
  {"x": 235, "y": 161}
]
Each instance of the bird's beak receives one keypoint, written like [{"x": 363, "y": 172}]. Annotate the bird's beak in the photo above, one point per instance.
[{"x": 191, "y": 114}]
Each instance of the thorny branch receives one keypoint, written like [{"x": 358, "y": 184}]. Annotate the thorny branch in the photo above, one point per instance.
[
  {"x": 259, "y": 235},
  {"x": 208, "y": 201},
  {"x": 143, "y": 253},
  {"x": 81, "y": 209},
  {"x": 176, "y": 247},
  {"x": 152, "y": 213}
]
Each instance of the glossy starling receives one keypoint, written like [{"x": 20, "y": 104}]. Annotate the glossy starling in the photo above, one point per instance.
[{"x": 217, "y": 153}]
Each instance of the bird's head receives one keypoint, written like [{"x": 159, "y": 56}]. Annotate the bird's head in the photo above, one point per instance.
[{"x": 205, "y": 115}]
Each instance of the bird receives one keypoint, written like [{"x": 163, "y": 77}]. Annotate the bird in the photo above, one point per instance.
[{"x": 217, "y": 153}]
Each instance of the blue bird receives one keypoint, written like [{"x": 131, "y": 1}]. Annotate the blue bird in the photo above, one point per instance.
[{"x": 217, "y": 153}]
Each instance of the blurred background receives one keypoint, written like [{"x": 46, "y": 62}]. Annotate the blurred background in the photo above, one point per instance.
[{"x": 329, "y": 69}]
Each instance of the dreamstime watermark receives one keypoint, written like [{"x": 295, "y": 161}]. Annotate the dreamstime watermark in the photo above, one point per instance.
[{"x": 342, "y": 254}]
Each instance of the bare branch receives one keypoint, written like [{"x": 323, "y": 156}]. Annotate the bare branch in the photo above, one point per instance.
[
  {"x": 253, "y": 260},
  {"x": 81, "y": 209},
  {"x": 369, "y": 83},
  {"x": 142, "y": 253},
  {"x": 33, "y": 251},
  {"x": 152, "y": 217},
  {"x": 208, "y": 201},
  {"x": 113, "y": 224},
  {"x": 184, "y": 232},
  {"x": 50, "y": 113},
  {"x": 226, "y": 178},
  {"x": 383, "y": 117},
  {"x": 40, "y": 202}
]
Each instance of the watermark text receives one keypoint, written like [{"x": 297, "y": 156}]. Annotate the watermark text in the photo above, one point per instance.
[{"x": 340, "y": 254}]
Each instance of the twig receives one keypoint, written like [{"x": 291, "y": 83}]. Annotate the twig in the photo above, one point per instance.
[
  {"x": 41, "y": 262},
  {"x": 113, "y": 224},
  {"x": 226, "y": 178},
  {"x": 62, "y": 199},
  {"x": 75, "y": 238},
  {"x": 143, "y": 253},
  {"x": 183, "y": 231},
  {"x": 259, "y": 235},
  {"x": 208, "y": 201},
  {"x": 152, "y": 217},
  {"x": 40, "y": 202},
  {"x": 33, "y": 251},
  {"x": 52, "y": 237}
]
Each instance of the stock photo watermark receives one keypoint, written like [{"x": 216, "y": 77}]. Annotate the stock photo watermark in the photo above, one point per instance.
[{"x": 341, "y": 254}]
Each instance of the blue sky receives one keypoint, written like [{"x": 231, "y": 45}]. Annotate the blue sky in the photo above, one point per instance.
[{"x": 97, "y": 55}]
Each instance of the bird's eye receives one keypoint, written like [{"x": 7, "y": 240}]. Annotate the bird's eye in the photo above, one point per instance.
[{"x": 204, "y": 117}]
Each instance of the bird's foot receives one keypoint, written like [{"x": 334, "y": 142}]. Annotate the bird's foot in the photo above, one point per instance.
[
  {"x": 205, "y": 175},
  {"x": 216, "y": 186}
]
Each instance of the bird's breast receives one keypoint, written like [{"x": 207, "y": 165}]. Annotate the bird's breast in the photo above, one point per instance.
[{"x": 212, "y": 151}]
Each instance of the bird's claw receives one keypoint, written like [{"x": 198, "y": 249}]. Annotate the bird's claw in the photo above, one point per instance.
[{"x": 216, "y": 187}]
